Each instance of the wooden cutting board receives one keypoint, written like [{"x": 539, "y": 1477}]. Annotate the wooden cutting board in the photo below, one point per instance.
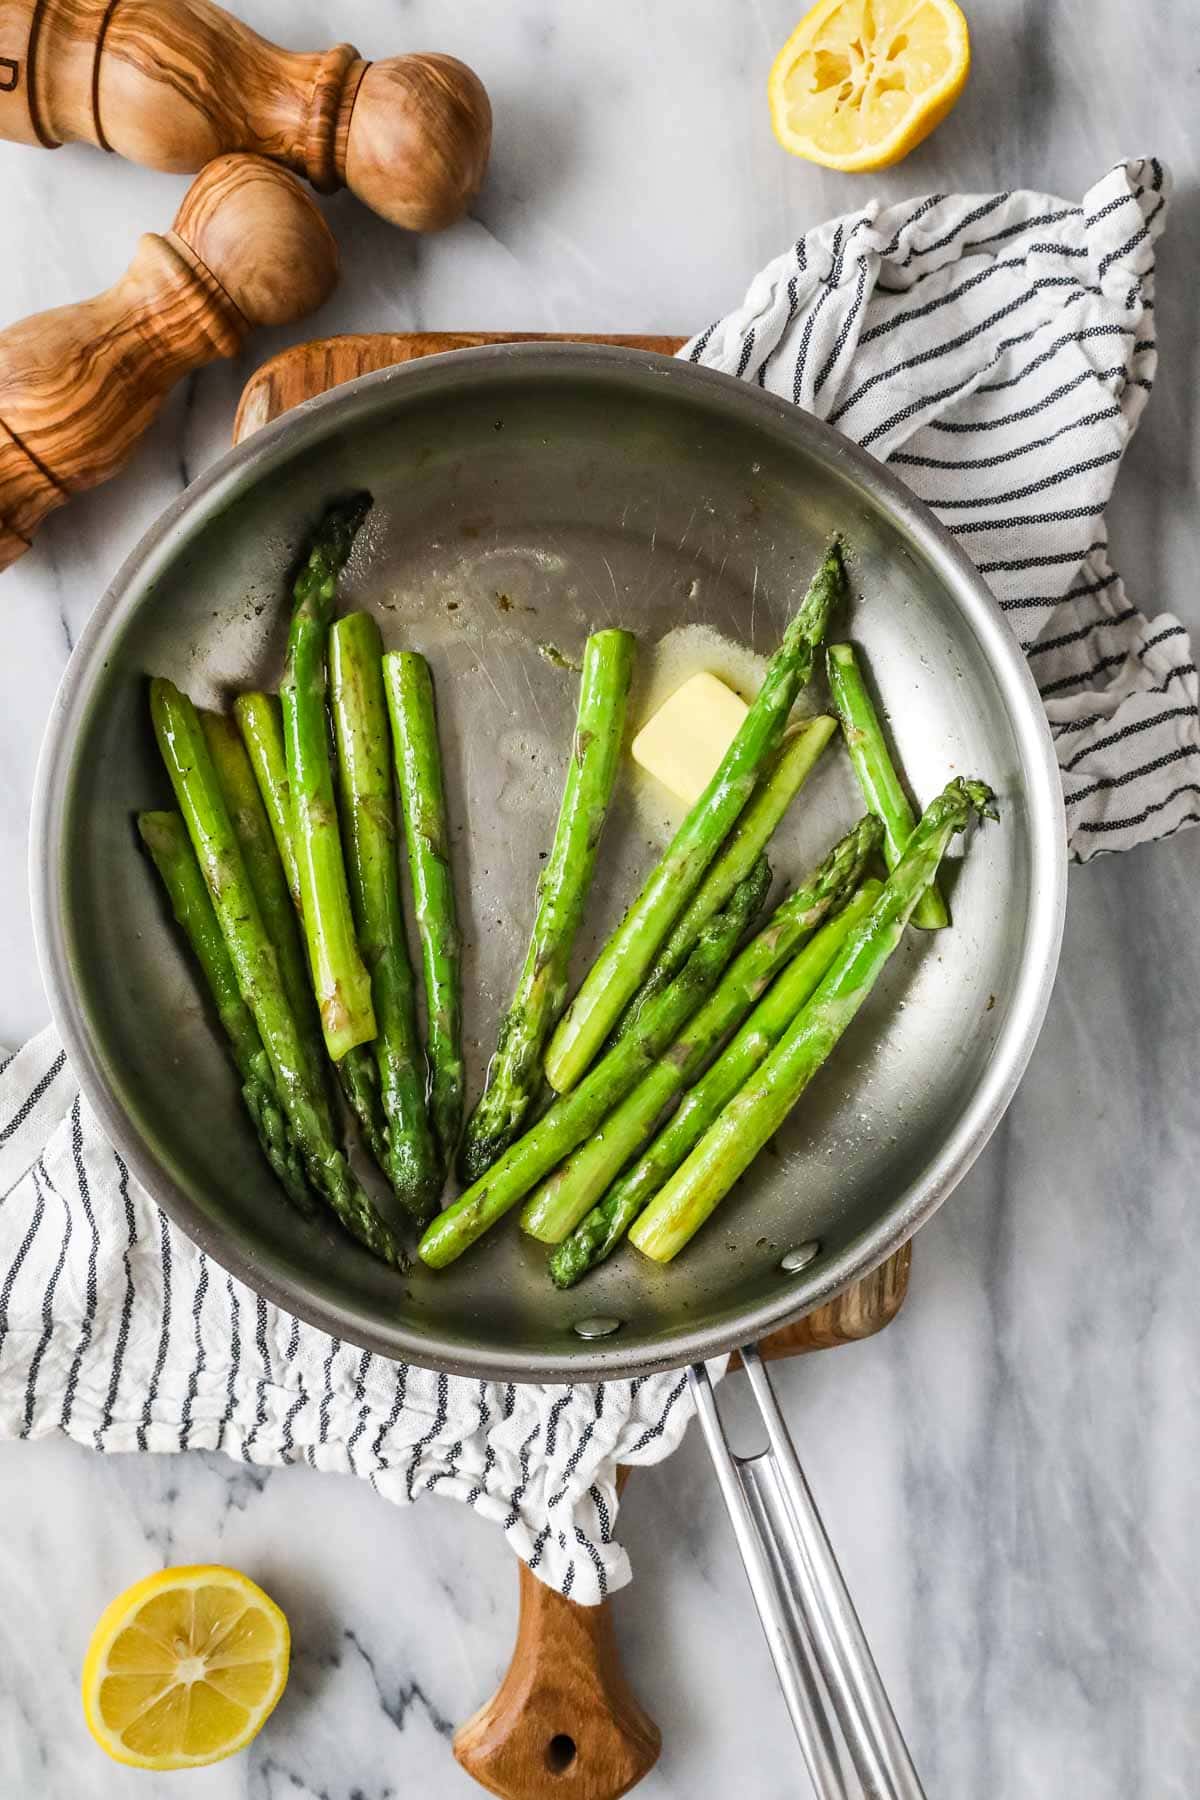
[{"x": 564, "y": 1723}]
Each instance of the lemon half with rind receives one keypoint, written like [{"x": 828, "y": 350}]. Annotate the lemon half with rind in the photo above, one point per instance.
[
  {"x": 184, "y": 1668},
  {"x": 861, "y": 82}
]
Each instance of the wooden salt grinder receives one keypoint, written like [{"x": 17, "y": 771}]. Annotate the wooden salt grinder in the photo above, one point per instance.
[
  {"x": 174, "y": 83},
  {"x": 79, "y": 386}
]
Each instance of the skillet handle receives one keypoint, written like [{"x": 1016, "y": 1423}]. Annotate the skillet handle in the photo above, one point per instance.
[
  {"x": 821, "y": 1655},
  {"x": 564, "y": 1724}
]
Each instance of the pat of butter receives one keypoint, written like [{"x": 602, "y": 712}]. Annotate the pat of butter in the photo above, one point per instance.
[{"x": 682, "y": 744}]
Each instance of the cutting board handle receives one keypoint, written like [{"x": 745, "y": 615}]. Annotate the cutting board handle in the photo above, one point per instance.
[
  {"x": 79, "y": 386},
  {"x": 565, "y": 1724}
]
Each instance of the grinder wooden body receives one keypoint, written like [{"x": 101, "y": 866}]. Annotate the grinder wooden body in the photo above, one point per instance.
[
  {"x": 174, "y": 83},
  {"x": 79, "y": 385}
]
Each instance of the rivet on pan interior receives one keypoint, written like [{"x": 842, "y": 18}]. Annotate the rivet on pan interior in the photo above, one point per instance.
[
  {"x": 800, "y": 1257},
  {"x": 594, "y": 1328}
]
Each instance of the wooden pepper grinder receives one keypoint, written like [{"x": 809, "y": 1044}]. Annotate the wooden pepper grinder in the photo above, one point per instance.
[
  {"x": 79, "y": 386},
  {"x": 174, "y": 83}
]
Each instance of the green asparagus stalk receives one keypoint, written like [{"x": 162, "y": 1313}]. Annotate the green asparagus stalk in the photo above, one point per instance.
[
  {"x": 409, "y": 686},
  {"x": 198, "y": 792},
  {"x": 358, "y": 1078},
  {"x": 165, "y": 837},
  {"x": 260, "y": 720},
  {"x": 574, "y": 1187},
  {"x": 369, "y": 825},
  {"x": 597, "y": 1236},
  {"x": 622, "y": 964},
  {"x": 756, "y": 1113},
  {"x": 263, "y": 865},
  {"x": 343, "y": 987},
  {"x": 516, "y": 1071},
  {"x": 574, "y": 1116},
  {"x": 782, "y": 781},
  {"x": 876, "y": 772}
]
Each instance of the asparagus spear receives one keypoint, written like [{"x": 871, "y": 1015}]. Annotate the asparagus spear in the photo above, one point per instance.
[
  {"x": 198, "y": 792},
  {"x": 876, "y": 772},
  {"x": 260, "y": 719},
  {"x": 598, "y": 1235},
  {"x": 358, "y": 1078},
  {"x": 261, "y": 722},
  {"x": 760, "y": 1108},
  {"x": 369, "y": 821},
  {"x": 567, "y": 1194},
  {"x": 253, "y": 831},
  {"x": 343, "y": 987},
  {"x": 622, "y": 964},
  {"x": 796, "y": 758},
  {"x": 165, "y": 837},
  {"x": 426, "y": 831},
  {"x": 574, "y": 1116},
  {"x": 516, "y": 1072}
]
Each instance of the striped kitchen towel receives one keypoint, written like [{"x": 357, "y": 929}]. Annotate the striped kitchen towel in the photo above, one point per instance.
[
  {"x": 118, "y": 1331},
  {"x": 997, "y": 352}
]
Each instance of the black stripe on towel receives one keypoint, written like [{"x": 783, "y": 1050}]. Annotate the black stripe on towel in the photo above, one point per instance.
[
  {"x": 23, "y": 1249},
  {"x": 1064, "y": 638},
  {"x": 40, "y": 1176},
  {"x": 809, "y": 323},
  {"x": 489, "y": 1457},
  {"x": 364, "y": 1406},
  {"x": 655, "y": 1431},
  {"x": 972, "y": 218},
  {"x": 260, "y": 1414},
  {"x": 131, "y": 1238},
  {"x": 235, "y": 1361},
  {"x": 1149, "y": 723},
  {"x": 1030, "y": 488},
  {"x": 23, "y": 1111},
  {"x": 198, "y": 1365},
  {"x": 288, "y": 1443},
  {"x": 1015, "y": 521},
  {"x": 335, "y": 1345},
  {"x": 585, "y": 1438},
  {"x": 959, "y": 465},
  {"x": 931, "y": 354},
  {"x": 439, "y": 1422},
  {"x": 1156, "y": 806},
  {"x": 597, "y": 1563},
  {"x": 830, "y": 363},
  {"x": 962, "y": 427},
  {"x": 1105, "y": 783},
  {"x": 519, "y": 1494},
  {"x": 91, "y": 1296},
  {"x": 164, "y": 1336},
  {"x": 602, "y": 1513},
  {"x": 389, "y": 1422}
]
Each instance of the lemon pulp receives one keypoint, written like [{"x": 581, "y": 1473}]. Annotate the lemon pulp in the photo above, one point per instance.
[
  {"x": 860, "y": 82},
  {"x": 184, "y": 1668}
]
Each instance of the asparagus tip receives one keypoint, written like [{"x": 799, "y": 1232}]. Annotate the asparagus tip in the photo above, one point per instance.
[
  {"x": 980, "y": 796},
  {"x": 477, "y": 1153}
]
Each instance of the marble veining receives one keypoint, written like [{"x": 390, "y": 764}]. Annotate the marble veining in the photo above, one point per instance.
[{"x": 1009, "y": 1472}]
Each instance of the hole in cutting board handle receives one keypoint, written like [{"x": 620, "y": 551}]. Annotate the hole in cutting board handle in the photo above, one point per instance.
[{"x": 561, "y": 1752}]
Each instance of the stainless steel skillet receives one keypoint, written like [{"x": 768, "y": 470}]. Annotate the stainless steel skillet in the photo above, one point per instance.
[{"x": 523, "y": 494}]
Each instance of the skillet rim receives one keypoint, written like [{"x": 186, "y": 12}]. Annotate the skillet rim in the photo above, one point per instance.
[{"x": 301, "y": 428}]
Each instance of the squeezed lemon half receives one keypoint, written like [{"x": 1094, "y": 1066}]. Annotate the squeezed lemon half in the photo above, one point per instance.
[
  {"x": 184, "y": 1668},
  {"x": 860, "y": 82}
]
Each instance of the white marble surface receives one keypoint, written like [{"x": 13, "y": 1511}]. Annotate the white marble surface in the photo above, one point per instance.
[{"x": 1009, "y": 1472}]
